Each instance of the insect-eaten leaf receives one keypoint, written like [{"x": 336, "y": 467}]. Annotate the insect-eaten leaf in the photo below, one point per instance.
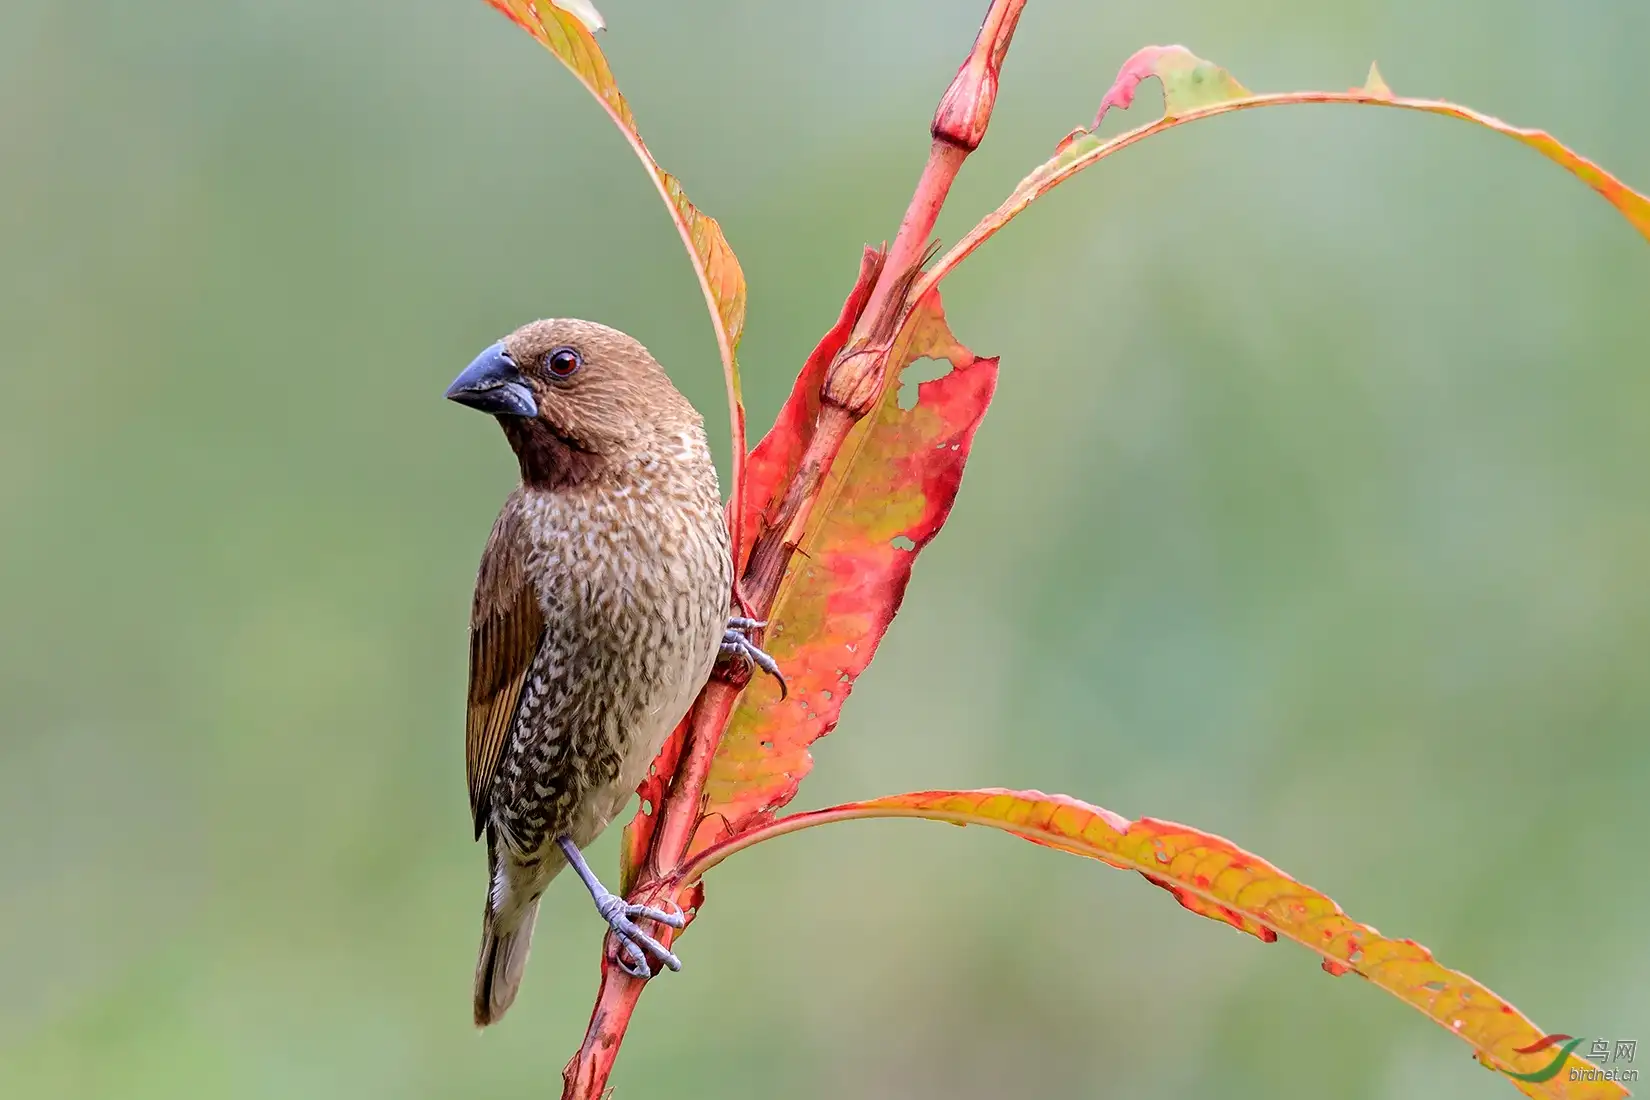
[
  {"x": 770, "y": 467},
  {"x": 1215, "y": 878},
  {"x": 1189, "y": 82},
  {"x": 1196, "y": 89},
  {"x": 887, "y": 495}
]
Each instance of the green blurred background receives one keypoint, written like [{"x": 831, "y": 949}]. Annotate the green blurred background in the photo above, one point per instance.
[{"x": 1311, "y": 511}]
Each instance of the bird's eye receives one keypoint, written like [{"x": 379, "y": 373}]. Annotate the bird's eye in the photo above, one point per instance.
[{"x": 563, "y": 362}]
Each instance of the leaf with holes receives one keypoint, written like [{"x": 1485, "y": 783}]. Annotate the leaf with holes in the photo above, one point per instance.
[
  {"x": 770, "y": 468},
  {"x": 1214, "y": 878},
  {"x": 886, "y": 497},
  {"x": 1196, "y": 89},
  {"x": 566, "y": 35}
]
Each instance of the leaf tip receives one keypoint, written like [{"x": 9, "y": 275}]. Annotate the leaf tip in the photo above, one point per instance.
[
  {"x": 585, "y": 12},
  {"x": 1375, "y": 85},
  {"x": 1134, "y": 70},
  {"x": 1189, "y": 82},
  {"x": 1076, "y": 135}
]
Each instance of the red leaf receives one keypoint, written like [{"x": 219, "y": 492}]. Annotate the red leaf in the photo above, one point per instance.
[
  {"x": 767, "y": 472},
  {"x": 887, "y": 495}
]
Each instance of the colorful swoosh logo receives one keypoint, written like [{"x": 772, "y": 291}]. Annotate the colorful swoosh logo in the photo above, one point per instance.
[{"x": 1550, "y": 1070}]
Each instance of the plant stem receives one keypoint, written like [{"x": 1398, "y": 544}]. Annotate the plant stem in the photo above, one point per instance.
[{"x": 958, "y": 127}]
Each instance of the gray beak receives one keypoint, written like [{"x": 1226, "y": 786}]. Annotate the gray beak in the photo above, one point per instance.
[{"x": 493, "y": 384}]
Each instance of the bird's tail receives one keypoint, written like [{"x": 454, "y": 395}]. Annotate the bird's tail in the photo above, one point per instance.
[{"x": 503, "y": 958}]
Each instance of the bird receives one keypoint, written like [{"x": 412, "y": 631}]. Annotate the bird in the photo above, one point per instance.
[{"x": 602, "y": 602}]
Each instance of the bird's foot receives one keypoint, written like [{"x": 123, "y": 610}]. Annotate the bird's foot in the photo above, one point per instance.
[
  {"x": 736, "y": 643},
  {"x": 634, "y": 945}
]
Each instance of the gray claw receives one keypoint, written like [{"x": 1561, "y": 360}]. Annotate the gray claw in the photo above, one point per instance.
[
  {"x": 736, "y": 644},
  {"x": 636, "y": 945}
]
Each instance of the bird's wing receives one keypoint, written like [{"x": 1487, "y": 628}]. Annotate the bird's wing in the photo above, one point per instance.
[{"x": 506, "y": 627}]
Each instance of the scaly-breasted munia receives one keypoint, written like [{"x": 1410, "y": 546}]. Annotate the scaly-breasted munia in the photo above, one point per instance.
[{"x": 601, "y": 604}]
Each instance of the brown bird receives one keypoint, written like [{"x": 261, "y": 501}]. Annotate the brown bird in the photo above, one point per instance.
[{"x": 601, "y": 605}]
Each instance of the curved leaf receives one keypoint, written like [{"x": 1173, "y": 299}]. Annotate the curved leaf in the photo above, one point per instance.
[
  {"x": 1214, "y": 878},
  {"x": 1195, "y": 89},
  {"x": 565, "y": 34},
  {"x": 886, "y": 496},
  {"x": 769, "y": 470}
]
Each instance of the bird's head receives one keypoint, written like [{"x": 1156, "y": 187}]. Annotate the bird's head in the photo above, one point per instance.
[{"x": 573, "y": 397}]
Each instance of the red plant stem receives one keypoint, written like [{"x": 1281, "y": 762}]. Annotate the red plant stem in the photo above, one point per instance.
[
  {"x": 681, "y": 811},
  {"x": 945, "y": 160},
  {"x": 958, "y": 127},
  {"x": 585, "y": 1076},
  {"x": 773, "y": 549},
  {"x": 694, "y": 869}
]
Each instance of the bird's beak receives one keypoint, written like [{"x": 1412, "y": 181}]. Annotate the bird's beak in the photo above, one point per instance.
[{"x": 494, "y": 385}]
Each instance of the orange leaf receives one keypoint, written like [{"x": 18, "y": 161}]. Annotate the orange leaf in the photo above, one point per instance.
[
  {"x": 886, "y": 496},
  {"x": 1196, "y": 89},
  {"x": 769, "y": 471},
  {"x": 1215, "y": 878},
  {"x": 565, "y": 35}
]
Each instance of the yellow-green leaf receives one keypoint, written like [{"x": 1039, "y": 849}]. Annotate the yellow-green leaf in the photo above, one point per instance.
[
  {"x": 1215, "y": 878},
  {"x": 566, "y": 35},
  {"x": 1196, "y": 89}
]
